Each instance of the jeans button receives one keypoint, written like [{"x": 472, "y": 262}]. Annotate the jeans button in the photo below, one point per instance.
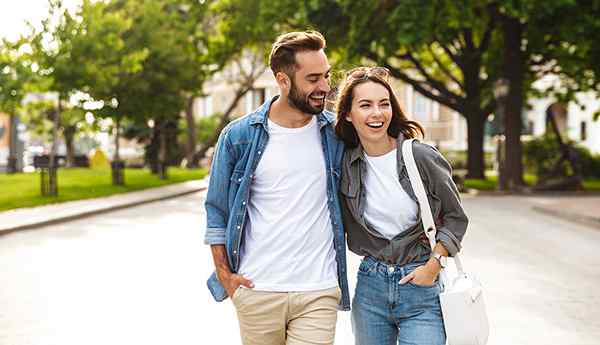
[{"x": 391, "y": 269}]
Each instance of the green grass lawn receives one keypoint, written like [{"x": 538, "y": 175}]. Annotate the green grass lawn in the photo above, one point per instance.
[
  {"x": 591, "y": 185},
  {"x": 23, "y": 190},
  {"x": 492, "y": 180}
]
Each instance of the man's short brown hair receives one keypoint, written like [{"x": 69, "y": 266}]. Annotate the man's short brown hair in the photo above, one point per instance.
[{"x": 283, "y": 53}]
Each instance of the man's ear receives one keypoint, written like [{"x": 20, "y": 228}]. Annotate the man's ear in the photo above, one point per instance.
[{"x": 283, "y": 80}]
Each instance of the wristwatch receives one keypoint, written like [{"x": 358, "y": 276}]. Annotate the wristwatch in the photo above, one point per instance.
[{"x": 440, "y": 258}]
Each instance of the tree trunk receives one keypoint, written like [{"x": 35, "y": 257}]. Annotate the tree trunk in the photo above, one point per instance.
[
  {"x": 51, "y": 188},
  {"x": 191, "y": 134},
  {"x": 117, "y": 156},
  {"x": 152, "y": 149},
  {"x": 117, "y": 166},
  {"x": 69, "y": 134},
  {"x": 12, "y": 145},
  {"x": 162, "y": 152},
  {"x": 472, "y": 112},
  {"x": 475, "y": 154},
  {"x": 514, "y": 70}
]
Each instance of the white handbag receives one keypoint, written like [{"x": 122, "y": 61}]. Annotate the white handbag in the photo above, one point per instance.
[{"x": 463, "y": 309}]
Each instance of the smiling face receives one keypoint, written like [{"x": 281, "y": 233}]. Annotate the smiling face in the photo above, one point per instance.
[
  {"x": 371, "y": 113},
  {"x": 309, "y": 84}
]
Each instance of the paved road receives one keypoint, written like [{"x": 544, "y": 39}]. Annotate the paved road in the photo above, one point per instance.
[{"x": 137, "y": 276}]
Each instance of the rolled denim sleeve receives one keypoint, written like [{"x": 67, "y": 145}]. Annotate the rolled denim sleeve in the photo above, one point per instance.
[
  {"x": 438, "y": 172},
  {"x": 217, "y": 203}
]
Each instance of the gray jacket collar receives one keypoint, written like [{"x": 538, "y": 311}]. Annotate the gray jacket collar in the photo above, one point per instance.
[{"x": 358, "y": 152}]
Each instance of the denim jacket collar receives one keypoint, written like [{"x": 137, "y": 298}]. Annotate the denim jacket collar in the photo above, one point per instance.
[{"x": 261, "y": 115}]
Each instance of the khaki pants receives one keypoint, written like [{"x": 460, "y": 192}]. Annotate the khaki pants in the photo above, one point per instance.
[{"x": 287, "y": 318}]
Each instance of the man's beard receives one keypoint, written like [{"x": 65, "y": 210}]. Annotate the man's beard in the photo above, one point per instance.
[{"x": 301, "y": 102}]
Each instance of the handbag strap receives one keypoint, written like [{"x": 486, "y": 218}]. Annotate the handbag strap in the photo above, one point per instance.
[{"x": 426, "y": 216}]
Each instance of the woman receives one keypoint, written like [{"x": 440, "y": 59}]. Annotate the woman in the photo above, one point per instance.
[{"x": 396, "y": 298}]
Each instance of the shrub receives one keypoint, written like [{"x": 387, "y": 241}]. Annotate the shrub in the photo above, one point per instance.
[{"x": 541, "y": 154}]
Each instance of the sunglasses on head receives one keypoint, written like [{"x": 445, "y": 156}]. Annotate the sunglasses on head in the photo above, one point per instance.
[{"x": 365, "y": 72}]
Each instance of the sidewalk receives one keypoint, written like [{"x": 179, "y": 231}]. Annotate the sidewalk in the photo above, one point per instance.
[
  {"x": 29, "y": 218},
  {"x": 581, "y": 209}
]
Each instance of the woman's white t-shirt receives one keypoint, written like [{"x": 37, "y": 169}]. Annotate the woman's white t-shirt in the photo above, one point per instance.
[{"x": 388, "y": 208}]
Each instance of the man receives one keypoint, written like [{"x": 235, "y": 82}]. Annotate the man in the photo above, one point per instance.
[{"x": 273, "y": 216}]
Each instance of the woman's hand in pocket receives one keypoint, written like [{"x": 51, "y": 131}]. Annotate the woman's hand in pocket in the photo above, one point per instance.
[{"x": 423, "y": 275}]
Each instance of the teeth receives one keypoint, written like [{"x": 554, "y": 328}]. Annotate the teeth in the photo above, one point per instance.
[{"x": 375, "y": 124}]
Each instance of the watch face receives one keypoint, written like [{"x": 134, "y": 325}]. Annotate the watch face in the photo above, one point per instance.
[{"x": 441, "y": 259}]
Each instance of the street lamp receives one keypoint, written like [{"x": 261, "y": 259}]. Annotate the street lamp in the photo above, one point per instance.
[{"x": 501, "y": 89}]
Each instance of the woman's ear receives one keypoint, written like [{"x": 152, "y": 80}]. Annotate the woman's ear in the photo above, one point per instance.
[{"x": 348, "y": 118}]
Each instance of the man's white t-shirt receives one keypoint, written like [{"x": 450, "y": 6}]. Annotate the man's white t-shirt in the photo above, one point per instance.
[
  {"x": 388, "y": 208},
  {"x": 288, "y": 237}
]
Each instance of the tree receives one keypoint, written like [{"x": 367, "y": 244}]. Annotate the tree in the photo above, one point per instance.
[
  {"x": 453, "y": 52},
  {"x": 109, "y": 63},
  {"x": 157, "y": 92},
  {"x": 200, "y": 28},
  {"x": 538, "y": 38},
  {"x": 61, "y": 71}
]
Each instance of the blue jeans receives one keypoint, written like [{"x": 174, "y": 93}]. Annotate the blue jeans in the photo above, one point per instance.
[{"x": 387, "y": 313}]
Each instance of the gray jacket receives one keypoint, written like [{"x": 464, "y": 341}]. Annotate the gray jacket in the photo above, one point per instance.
[{"x": 407, "y": 246}]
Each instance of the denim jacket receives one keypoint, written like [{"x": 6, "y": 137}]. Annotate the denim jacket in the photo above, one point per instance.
[{"x": 238, "y": 151}]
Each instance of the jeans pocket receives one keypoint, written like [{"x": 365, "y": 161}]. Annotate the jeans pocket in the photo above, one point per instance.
[
  {"x": 411, "y": 269},
  {"x": 423, "y": 286},
  {"x": 366, "y": 268}
]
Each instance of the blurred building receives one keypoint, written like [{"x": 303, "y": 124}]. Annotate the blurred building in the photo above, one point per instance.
[
  {"x": 575, "y": 121},
  {"x": 5, "y": 139}
]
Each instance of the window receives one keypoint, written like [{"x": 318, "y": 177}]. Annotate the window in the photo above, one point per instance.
[
  {"x": 254, "y": 99},
  {"x": 204, "y": 107},
  {"x": 421, "y": 107}
]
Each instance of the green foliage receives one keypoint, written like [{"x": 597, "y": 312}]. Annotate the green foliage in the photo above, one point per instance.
[
  {"x": 246, "y": 24},
  {"x": 491, "y": 183},
  {"x": 458, "y": 159},
  {"x": 16, "y": 75},
  {"x": 38, "y": 118},
  {"x": 206, "y": 126},
  {"x": 542, "y": 153},
  {"x": 590, "y": 163}
]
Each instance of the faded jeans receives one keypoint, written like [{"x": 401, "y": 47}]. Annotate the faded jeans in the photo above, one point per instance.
[{"x": 387, "y": 313}]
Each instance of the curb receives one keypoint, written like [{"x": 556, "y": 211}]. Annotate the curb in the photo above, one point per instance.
[
  {"x": 480, "y": 192},
  {"x": 574, "y": 217},
  {"x": 101, "y": 210}
]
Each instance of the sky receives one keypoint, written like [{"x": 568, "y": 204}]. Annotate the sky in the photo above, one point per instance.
[{"x": 15, "y": 13}]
